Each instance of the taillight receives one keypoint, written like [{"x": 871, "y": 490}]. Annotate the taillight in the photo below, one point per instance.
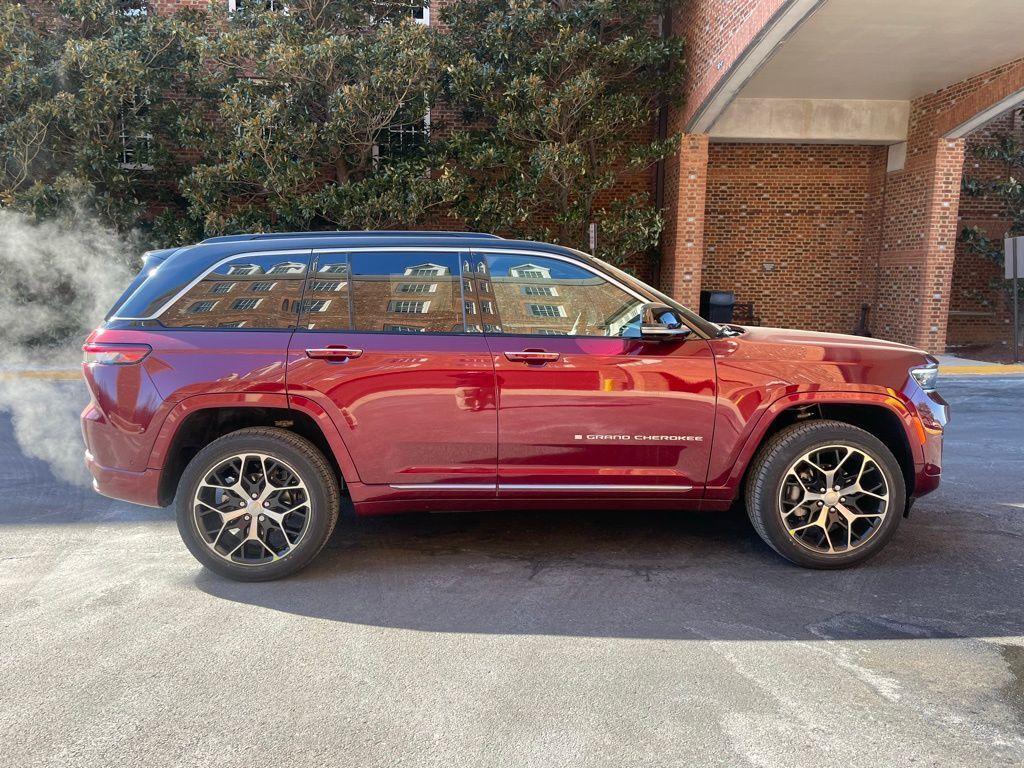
[{"x": 114, "y": 354}]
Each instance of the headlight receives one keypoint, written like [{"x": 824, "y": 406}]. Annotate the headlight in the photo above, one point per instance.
[{"x": 926, "y": 376}]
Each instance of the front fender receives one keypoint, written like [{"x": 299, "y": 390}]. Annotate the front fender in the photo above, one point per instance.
[{"x": 731, "y": 459}]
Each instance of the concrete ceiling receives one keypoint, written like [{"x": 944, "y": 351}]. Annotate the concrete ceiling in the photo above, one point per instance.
[{"x": 890, "y": 49}]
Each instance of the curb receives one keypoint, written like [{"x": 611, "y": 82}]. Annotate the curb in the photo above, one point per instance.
[
  {"x": 993, "y": 369},
  {"x": 54, "y": 375}
]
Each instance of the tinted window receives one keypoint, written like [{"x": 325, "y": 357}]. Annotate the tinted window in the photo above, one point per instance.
[
  {"x": 246, "y": 292},
  {"x": 325, "y": 304},
  {"x": 406, "y": 292},
  {"x": 548, "y": 297}
]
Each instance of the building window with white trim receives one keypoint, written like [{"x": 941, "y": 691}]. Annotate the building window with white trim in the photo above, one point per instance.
[
  {"x": 530, "y": 271},
  {"x": 256, "y": 6},
  {"x": 243, "y": 269},
  {"x": 546, "y": 310},
  {"x": 403, "y": 139},
  {"x": 201, "y": 307},
  {"x": 262, "y": 286},
  {"x": 408, "y": 307},
  {"x": 417, "y": 10},
  {"x": 314, "y": 305},
  {"x": 222, "y": 287},
  {"x": 417, "y": 288},
  {"x": 287, "y": 268},
  {"x": 243, "y": 304}
]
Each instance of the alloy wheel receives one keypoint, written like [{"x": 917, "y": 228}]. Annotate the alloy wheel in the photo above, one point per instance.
[
  {"x": 252, "y": 509},
  {"x": 834, "y": 499}
]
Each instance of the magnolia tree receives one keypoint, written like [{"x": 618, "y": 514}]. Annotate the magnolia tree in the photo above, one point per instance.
[
  {"x": 1007, "y": 153},
  {"x": 315, "y": 117},
  {"x": 314, "y": 114},
  {"x": 562, "y": 97},
  {"x": 83, "y": 115}
]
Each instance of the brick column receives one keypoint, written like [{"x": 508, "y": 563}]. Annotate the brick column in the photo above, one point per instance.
[
  {"x": 919, "y": 234},
  {"x": 682, "y": 243}
]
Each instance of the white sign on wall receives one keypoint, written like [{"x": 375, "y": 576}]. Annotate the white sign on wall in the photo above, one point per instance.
[{"x": 1010, "y": 252}]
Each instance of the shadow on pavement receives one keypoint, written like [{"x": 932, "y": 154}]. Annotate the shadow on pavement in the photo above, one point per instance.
[{"x": 645, "y": 575}]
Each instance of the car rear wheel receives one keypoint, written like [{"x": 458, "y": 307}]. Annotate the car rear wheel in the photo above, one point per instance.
[
  {"x": 825, "y": 494},
  {"x": 257, "y": 504}
]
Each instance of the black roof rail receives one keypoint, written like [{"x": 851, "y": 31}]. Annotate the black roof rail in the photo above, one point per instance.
[{"x": 351, "y": 233}]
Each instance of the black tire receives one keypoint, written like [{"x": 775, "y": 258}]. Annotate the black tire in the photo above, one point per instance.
[
  {"x": 768, "y": 473},
  {"x": 304, "y": 459}
]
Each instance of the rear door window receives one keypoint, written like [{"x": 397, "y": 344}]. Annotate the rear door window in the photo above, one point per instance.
[{"x": 385, "y": 291}]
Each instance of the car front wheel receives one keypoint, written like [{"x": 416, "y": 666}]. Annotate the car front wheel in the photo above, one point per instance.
[
  {"x": 825, "y": 494},
  {"x": 257, "y": 504}
]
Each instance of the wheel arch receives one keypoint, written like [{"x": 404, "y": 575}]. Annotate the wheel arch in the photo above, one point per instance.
[
  {"x": 197, "y": 421},
  {"x": 881, "y": 415}
]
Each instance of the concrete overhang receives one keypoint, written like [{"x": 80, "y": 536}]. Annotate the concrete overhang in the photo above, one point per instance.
[{"x": 845, "y": 71}]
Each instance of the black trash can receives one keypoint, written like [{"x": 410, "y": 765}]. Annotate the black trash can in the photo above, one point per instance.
[{"x": 717, "y": 306}]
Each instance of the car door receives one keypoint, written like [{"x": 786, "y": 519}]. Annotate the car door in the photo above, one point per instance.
[
  {"x": 584, "y": 405},
  {"x": 382, "y": 347}
]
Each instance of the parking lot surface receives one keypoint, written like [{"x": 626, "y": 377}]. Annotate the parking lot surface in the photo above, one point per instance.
[{"x": 540, "y": 639}]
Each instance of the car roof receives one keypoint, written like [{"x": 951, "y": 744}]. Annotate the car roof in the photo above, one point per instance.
[
  {"x": 206, "y": 253},
  {"x": 349, "y": 234}
]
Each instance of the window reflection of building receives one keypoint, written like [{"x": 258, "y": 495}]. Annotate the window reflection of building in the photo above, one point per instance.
[
  {"x": 405, "y": 293},
  {"x": 546, "y": 298},
  {"x": 390, "y": 292},
  {"x": 274, "y": 306}
]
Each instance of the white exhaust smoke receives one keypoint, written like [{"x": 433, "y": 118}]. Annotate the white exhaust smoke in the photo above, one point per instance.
[{"x": 57, "y": 280}]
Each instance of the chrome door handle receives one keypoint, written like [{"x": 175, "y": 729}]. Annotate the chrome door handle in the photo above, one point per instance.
[
  {"x": 333, "y": 353},
  {"x": 532, "y": 356}
]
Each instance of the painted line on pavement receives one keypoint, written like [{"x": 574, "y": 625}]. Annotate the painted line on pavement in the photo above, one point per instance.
[{"x": 55, "y": 375}]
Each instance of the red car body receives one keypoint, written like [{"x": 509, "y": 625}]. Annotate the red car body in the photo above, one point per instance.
[{"x": 462, "y": 422}]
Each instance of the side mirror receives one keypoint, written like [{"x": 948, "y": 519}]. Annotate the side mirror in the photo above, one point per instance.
[{"x": 662, "y": 323}]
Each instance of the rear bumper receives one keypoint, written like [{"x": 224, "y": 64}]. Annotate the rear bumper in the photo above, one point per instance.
[{"x": 136, "y": 487}]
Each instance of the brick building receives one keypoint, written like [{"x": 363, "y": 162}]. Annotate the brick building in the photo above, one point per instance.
[{"x": 824, "y": 143}]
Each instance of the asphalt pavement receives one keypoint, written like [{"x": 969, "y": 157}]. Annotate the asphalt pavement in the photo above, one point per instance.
[{"x": 521, "y": 639}]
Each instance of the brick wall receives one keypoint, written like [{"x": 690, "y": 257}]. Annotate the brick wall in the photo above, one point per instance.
[
  {"x": 793, "y": 229},
  {"x": 717, "y": 32},
  {"x": 919, "y": 235}
]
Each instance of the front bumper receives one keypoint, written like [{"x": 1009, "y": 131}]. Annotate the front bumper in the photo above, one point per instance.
[{"x": 931, "y": 413}]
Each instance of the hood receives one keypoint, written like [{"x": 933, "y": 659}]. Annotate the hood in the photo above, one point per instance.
[
  {"x": 811, "y": 357},
  {"x": 817, "y": 339}
]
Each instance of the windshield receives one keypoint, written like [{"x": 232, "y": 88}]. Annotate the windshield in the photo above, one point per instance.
[{"x": 706, "y": 327}]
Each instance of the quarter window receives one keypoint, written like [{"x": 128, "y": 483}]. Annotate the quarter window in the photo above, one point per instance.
[{"x": 273, "y": 308}]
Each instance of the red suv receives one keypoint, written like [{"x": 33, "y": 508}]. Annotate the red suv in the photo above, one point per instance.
[{"x": 254, "y": 379}]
